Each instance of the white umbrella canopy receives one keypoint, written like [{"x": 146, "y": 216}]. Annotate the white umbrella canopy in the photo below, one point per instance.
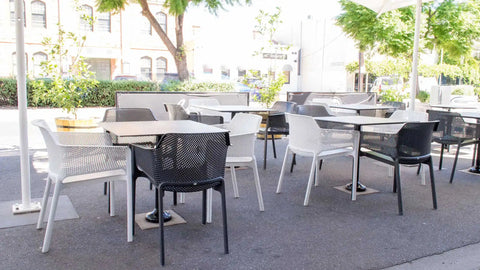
[
  {"x": 385, "y": 5},
  {"x": 382, "y": 6}
]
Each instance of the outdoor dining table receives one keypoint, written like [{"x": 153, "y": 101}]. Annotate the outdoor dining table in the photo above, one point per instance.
[
  {"x": 450, "y": 107},
  {"x": 233, "y": 109},
  {"x": 357, "y": 122},
  {"x": 150, "y": 128},
  {"x": 474, "y": 115},
  {"x": 361, "y": 107}
]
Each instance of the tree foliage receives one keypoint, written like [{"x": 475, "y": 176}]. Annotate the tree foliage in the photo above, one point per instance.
[{"x": 449, "y": 27}]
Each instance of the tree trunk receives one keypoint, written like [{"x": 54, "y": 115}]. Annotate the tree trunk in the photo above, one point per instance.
[
  {"x": 178, "y": 51},
  {"x": 360, "y": 65}
]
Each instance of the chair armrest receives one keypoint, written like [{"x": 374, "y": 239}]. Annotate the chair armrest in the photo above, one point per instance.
[
  {"x": 242, "y": 145},
  {"x": 143, "y": 158},
  {"x": 83, "y": 138}
]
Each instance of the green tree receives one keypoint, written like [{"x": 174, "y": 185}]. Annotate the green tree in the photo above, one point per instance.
[
  {"x": 449, "y": 27},
  {"x": 176, "y": 8}
]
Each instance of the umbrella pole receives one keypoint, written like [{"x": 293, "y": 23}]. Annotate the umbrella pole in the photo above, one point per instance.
[
  {"x": 414, "y": 80},
  {"x": 26, "y": 206}
]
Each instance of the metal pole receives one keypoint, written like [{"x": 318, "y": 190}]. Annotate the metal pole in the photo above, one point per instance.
[
  {"x": 413, "y": 90},
  {"x": 26, "y": 205}
]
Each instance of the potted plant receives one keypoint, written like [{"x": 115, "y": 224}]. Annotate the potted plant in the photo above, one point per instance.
[{"x": 68, "y": 79}]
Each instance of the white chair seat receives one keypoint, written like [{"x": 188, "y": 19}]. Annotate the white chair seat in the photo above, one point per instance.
[{"x": 308, "y": 139}]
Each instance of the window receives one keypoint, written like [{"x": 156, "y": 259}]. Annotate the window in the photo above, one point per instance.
[
  {"x": 207, "y": 69},
  {"x": 86, "y": 15},
  {"x": 38, "y": 58},
  {"x": 161, "y": 67},
  {"x": 242, "y": 72},
  {"x": 12, "y": 13},
  {"x": 225, "y": 72},
  {"x": 14, "y": 63},
  {"x": 146, "y": 67},
  {"x": 103, "y": 22},
  {"x": 162, "y": 20},
  {"x": 145, "y": 27},
  {"x": 287, "y": 69},
  {"x": 39, "y": 16}
]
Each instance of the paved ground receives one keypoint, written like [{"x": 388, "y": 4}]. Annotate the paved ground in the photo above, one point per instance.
[{"x": 332, "y": 233}]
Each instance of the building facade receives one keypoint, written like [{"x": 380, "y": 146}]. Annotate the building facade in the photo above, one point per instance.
[{"x": 116, "y": 43}]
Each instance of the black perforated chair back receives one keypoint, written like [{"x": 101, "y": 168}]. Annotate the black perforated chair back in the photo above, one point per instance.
[
  {"x": 312, "y": 110},
  {"x": 451, "y": 126},
  {"x": 414, "y": 139},
  {"x": 185, "y": 162},
  {"x": 128, "y": 114},
  {"x": 284, "y": 106},
  {"x": 397, "y": 104}
]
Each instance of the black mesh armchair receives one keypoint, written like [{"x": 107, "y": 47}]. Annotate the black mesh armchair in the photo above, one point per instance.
[
  {"x": 276, "y": 125},
  {"x": 453, "y": 130},
  {"x": 411, "y": 145},
  {"x": 185, "y": 163},
  {"x": 177, "y": 112}
]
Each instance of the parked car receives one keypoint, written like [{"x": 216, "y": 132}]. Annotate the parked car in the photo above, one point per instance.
[
  {"x": 385, "y": 83},
  {"x": 241, "y": 87}
]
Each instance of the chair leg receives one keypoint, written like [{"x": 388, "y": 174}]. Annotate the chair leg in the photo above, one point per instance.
[
  {"x": 441, "y": 157},
  {"x": 134, "y": 191},
  {"x": 174, "y": 198},
  {"x": 310, "y": 180},
  {"x": 282, "y": 171},
  {"x": 221, "y": 188},
  {"x": 209, "y": 205},
  {"x": 256, "y": 178},
  {"x": 109, "y": 204},
  {"x": 399, "y": 188},
  {"x": 43, "y": 210},
  {"x": 294, "y": 162},
  {"x": 419, "y": 168},
  {"x": 452, "y": 174},
  {"x": 474, "y": 158},
  {"x": 234, "y": 181},
  {"x": 111, "y": 198},
  {"x": 273, "y": 145},
  {"x": 317, "y": 171},
  {"x": 394, "y": 190},
  {"x": 160, "y": 222},
  {"x": 432, "y": 183},
  {"x": 265, "y": 140},
  {"x": 204, "y": 206},
  {"x": 422, "y": 175},
  {"x": 51, "y": 217},
  {"x": 105, "y": 188},
  {"x": 151, "y": 186}
]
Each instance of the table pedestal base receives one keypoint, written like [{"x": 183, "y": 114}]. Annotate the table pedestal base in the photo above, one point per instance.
[
  {"x": 474, "y": 170},
  {"x": 360, "y": 187},
  {"x": 152, "y": 217}
]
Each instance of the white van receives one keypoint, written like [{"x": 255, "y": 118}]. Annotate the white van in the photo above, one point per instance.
[{"x": 384, "y": 83}]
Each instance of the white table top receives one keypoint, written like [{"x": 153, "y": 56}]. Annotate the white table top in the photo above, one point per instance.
[
  {"x": 361, "y": 107},
  {"x": 232, "y": 108},
  {"x": 358, "y": 120},
  {"x": 471, "y": 114},
  {"x": 152, "y": 128},
  {"x": 454, "y": 106}
]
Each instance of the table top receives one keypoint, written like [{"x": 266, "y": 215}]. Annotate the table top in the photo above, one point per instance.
[
  {"x": 358, "y": 120},
  {"x": 363, "y": 107},
  {"x": 232, "y": 108},
  {"x": 471, "y": 114},
  {"x": 152, "y": 128},
  {"x": 454, "y": 106}
]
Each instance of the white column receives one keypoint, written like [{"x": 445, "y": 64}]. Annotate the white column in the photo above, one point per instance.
[
  {"x": 415, "y": 55},
  {"x": 26, "y": 205}
]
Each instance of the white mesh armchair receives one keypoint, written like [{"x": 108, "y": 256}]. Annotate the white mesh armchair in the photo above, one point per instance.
[
  {"x": 75, "y": 158},
  {"x": 308, "y": 139},
  {"x": 241, "y": 152}
]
